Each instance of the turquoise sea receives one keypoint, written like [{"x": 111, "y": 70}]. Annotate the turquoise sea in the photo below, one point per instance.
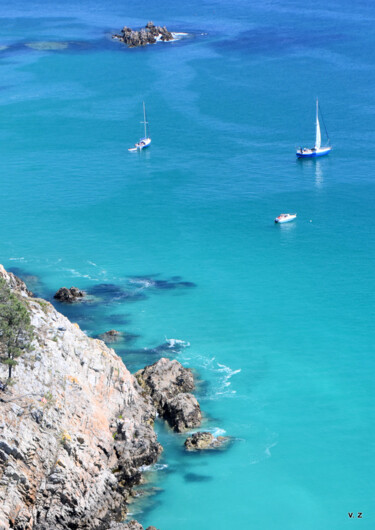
[{"x": 178, "y": 243}]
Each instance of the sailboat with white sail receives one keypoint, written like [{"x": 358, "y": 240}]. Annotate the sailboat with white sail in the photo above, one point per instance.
[
  {"x": 146, "y": 140},
  {"x": 318, "y": 149}
]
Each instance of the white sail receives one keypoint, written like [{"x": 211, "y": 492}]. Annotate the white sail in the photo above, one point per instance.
[
  {"x": 318, "y": 136},
  {"x": 144, "y": 118}
]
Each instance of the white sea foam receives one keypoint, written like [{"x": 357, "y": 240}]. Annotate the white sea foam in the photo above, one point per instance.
[
  {"x": 263, "y": 454},
  {"x": 176, "y": 36},
  {"x": 216, "y": 431},
  {"x": 16, "y": 259},
  {"x": 228, "y": 374},
  {"x": 160, "y": 467},
  {"x": 78, "y": 274},
  {"x": 267, "y": 451},
  {"x": 153, "y": 467},
  {"x": 143, "y": 282},
  {"x": 224, "y": 373},
  {"x": 177, "y": 342}
]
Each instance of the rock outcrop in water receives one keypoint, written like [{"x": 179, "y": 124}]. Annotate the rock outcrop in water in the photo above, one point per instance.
[
  {"x": 201, "y": 441},
  {"x": 170, "y": 385},
  {"x": 70, "y": 295},
  {"x": 75, "y": 428},
  {"x": 147, "y": 35},
  {"x": 111, "y": 336}
]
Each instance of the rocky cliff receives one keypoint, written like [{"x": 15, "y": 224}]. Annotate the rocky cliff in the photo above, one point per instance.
[{"x": 75, "y": 428}]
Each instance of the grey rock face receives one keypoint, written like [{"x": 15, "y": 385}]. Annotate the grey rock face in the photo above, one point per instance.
[
  {"x": 169, "y": 385},
  {"x": 183, "y": 412},
  {"x": 147, "y": 35},
  {"x": 68, "y": 296},
  {"x": 67, "y": 460}
]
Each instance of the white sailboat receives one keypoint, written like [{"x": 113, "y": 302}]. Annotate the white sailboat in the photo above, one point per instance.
[
  {"x": 317, "y": 150},
  {"x": 146, "y": 140}
]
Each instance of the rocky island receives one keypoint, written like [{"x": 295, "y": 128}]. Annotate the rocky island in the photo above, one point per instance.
[{"x": 147, "y": 35}]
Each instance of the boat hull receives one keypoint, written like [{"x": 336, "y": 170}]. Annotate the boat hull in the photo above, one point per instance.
[
  {"x": 282, "y": 220},
  {"x": 142, "y": 144},
  {"x": 313, "y": 153}
]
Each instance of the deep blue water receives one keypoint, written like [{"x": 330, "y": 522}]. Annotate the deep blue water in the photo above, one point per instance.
[{"x": 179, "y": 242}]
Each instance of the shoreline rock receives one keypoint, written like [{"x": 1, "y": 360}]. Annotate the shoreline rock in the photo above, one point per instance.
[
  {"x": 68, "y": 296},
  {"x": 75, "y": 428},
  {"x": 203, "y": 441},
  {"x": 170, "y": 385},
  {"x": 147, "y": 35},
  {"x": 131, "y": 525}
]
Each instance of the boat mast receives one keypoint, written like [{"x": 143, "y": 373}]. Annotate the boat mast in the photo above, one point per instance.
[{"x": 144, "y": 119}]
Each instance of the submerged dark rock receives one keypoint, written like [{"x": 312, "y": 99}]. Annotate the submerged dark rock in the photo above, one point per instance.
[
  {"x": 70, "y": 295},
  {"x": 169, "y": 385},
  {"x": 195, "y": 477},
  {"x": 149, "y": 282},
  {"x": 109, "y": 292},
  {"x": 147, "y": 35},
  {"x": 111, "y": 336},
  {"x": 201, "y": 441}
]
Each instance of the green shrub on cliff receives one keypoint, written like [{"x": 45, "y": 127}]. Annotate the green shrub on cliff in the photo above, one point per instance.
[{"x": 16, "y": 331}]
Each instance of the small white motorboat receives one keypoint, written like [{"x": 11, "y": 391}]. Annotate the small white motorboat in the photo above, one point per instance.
[
  {"x": 285, "y": 218},
  {"x": 146, "y": 140}
]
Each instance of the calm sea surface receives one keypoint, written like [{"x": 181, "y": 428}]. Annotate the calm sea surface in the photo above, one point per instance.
[{"x": 177, "y": 244}]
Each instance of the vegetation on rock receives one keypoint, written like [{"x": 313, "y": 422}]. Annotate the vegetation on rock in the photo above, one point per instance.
[{"x": 16, "y": 331}]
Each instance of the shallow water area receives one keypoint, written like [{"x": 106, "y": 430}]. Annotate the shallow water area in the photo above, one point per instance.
[{"x": 177, "y": 245}]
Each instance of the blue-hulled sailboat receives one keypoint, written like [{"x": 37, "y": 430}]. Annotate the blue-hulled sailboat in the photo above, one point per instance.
[{"x": 318, "y": 150}]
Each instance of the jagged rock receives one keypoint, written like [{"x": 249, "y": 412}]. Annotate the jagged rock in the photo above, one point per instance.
[
  {"x": 69, "y": 461},
  {"x": 68, "y": 295},
  {"x": 147, "y": 35},
  {"x": 111, "y": 336},
  {"x": 169, "y": 385},
  {"x": 165, "y": 379},
  {"x": 200, "y": 441},
  {"x": 183, "y": 412},
  {"x": 15, "y": 283}
]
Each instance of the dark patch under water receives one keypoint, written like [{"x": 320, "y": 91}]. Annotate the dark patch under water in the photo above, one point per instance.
[
  {"x": 117, "y": 319},
  {"x": 109, "y": 292},
  {"x": 268, "y": 40},
  {"x": 126, "y": 338},
  {"x": 33, "y": 282},
  {"x": 195, "y": 477},
  {"x": 149, "y": 282}
]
